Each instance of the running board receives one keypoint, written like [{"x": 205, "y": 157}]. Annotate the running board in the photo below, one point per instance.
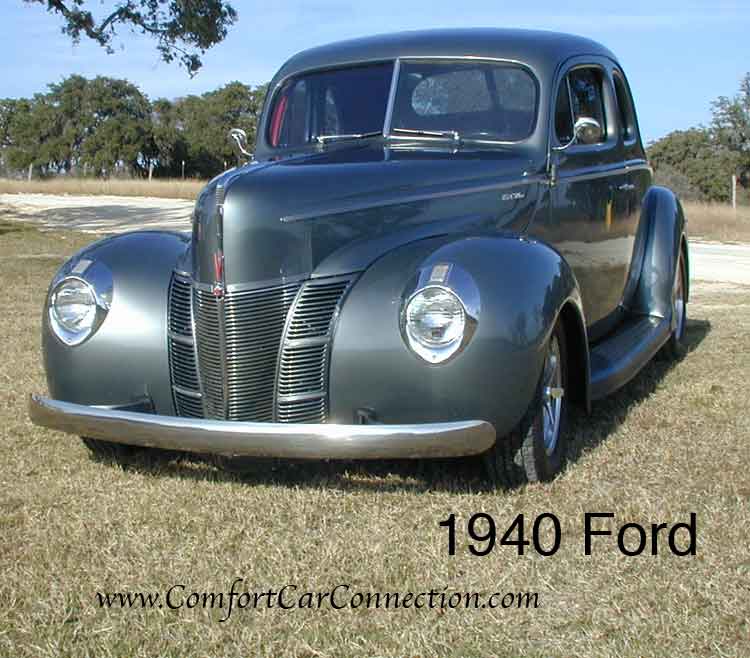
[{"x": 619, "y": 358}]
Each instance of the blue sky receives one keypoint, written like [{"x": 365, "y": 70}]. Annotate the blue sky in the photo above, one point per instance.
[{"x": 678, "y": 56}]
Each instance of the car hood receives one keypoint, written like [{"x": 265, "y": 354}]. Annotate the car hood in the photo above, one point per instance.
[{"x": 335, "y": 211}]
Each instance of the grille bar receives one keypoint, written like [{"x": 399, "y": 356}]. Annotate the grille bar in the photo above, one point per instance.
[
  {"x": 302, "y": 379},
  {"x": 210, "y": 352},
  {"x": 182, "y": 358}
]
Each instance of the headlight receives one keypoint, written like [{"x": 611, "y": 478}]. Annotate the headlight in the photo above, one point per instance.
[
  {"x": 75, "y": 311},
  {"x": 435, "y": 323}
]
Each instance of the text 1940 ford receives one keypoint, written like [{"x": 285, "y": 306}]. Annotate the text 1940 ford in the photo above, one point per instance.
[{"x": 442, "y": 240}]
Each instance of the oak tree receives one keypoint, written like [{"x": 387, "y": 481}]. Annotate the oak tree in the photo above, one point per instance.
[{"x": 183, "y": 29}]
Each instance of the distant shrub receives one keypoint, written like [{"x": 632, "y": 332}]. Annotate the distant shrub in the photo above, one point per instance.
[{"x": 667, "y": 176}]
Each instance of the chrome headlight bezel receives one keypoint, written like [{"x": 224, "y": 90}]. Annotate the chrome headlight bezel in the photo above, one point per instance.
[
  {"x": 464, "y": 292},
  {"x": 96, "y": 280}
]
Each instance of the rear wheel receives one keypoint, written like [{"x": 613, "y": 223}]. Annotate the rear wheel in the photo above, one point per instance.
[
  {"x": 676, "y": 347},
  {"x": 535, "y": 450}
]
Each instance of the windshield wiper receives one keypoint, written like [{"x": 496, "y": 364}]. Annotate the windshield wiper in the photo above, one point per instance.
[
  {"x": 325, "y": 139},
  {"x": 439, "y": 134}
]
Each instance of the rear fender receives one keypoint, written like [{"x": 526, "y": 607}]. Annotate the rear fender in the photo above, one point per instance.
[{"x": 664, "y": 238}]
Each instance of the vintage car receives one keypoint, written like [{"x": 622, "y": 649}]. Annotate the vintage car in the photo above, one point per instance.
[{"x": 442, "y": 240}]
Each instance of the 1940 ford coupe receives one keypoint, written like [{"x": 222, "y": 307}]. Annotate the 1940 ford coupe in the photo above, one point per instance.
[{"x": 442, "y": 239}]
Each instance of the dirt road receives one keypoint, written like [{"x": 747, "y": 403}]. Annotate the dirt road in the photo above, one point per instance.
[{"x": 97, "y": 214}]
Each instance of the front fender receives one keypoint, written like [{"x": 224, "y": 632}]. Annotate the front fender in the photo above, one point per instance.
[
  {"x": 523, "y": 285},
  {"x": 126, "y": 360}
]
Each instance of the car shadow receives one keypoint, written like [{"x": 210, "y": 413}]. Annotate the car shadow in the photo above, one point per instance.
[
  {"x": 461, "y": 475},
  {"x": 590, "y": 430}
]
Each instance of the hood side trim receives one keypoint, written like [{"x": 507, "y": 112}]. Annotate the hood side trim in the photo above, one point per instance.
[{"x": 396, "y": 200}]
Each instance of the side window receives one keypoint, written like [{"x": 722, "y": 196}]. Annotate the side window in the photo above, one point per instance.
[
  {"x": 625, "y": 105},
  {"x": 586, "y": 93},
  {"x": 563, "y": 115}
]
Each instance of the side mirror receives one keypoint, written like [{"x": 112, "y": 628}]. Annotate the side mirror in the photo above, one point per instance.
[
  {"x": 588, "y": 131},
  {"x": 239, "y": 139},
  {"x": 585, "y": 131}
]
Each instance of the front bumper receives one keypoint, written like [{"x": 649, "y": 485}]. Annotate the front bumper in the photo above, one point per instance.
[{"x": 292, "y": 441}]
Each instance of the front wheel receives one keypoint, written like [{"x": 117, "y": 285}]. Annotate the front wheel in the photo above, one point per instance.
[{"x": 536, "y": 449}]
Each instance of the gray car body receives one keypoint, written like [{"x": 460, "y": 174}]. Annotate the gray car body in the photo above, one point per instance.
[{"x": 386, "y": 216}]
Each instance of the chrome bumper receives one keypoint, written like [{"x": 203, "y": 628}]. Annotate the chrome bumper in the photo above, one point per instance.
[{"x": 293, "y": 441}]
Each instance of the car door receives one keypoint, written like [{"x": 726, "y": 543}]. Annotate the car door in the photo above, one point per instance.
[{"x": 589, "y": 204}]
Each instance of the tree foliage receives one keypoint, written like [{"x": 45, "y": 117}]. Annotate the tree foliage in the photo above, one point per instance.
[
  {"x": 703, "y": 160},
  {"x": 107, "y": 126},
  {"x": 194, "y": 128},
  {"x": 697, "y": 155},
  {"x": 731, "y": 126},
  {"x": 183, "y": 29}
]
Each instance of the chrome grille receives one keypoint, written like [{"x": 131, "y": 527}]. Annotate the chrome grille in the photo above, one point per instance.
[
  {"x": 254, "y": 325},
  {"x": 302, "y": 383},
  {"x": 185, "y": 386},
  {"x": 238, "y": 345},
  {"x": 253, "y": 359}
]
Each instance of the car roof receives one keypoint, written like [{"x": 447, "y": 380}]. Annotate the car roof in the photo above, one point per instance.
[{"x": 541, "y": 50}]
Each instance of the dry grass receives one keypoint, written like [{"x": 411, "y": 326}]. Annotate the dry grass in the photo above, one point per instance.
[
  {"x": 674, "y": 441},
  {"x": 170, "y": 189},
  {"x": 717, "y": 221}
]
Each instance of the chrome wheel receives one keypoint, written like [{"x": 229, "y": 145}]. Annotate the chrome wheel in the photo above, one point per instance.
[
  {"x": 678, "y": 301},
  {"x": 552, "y": 392}
]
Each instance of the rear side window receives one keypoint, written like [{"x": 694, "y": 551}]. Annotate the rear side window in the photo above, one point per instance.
[
  {"x": 625, "y": 105},
  {"x": 587, "y": 97}
]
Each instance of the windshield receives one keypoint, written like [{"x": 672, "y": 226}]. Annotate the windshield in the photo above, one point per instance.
[
  {"x": 474, "y": 99},
  {"x": 350, "y": 101},
  {"x": 466, "y": 99}
]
